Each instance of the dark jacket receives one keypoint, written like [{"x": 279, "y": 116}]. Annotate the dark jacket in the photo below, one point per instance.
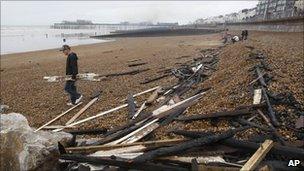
[{"x": 71, "y": 65}]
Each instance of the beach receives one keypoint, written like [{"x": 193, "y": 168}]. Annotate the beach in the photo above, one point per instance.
[{"x": 24, "y": 90}]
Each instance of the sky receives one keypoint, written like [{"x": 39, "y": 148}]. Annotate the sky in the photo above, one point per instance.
[{"x": 49, "y": 12}]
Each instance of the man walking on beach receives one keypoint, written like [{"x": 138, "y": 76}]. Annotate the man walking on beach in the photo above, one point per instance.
[{"x": 71, "y": 70}]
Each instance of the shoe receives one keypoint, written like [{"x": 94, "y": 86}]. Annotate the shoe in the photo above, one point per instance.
[
  {"x": 78, "y": 100},
  {"x": 70, "y": 104}
]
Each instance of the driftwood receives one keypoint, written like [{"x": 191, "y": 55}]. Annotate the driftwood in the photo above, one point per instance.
[
  {"x": 149, "y": 144},
  {"x": 155, "y": 79},
  {"x": 260, "y": 76},
  {"x": 88, "y": 131},
  {"x": 119, "y": 134},
  {"x": 142, "y": 107},
  {"x": 119, "y": 163},
  {"x": 93, "y": 117},
  {"x": 271, "y": 113},
  {"x": 143, "y": 92},
  {"x": 275, "y": 132},
  {"x": 137, "y": 64},
  {"x": 186, "y": 145},
  {"x": 258, "y": 156},
  {"x": 291, "y": 152},
  {"x": 133, "y": 72},
  {"x": 215, "y": 115},
  {"x": 57, "y": 117},
  {"x": 131, "y": 105},
  {"x": 94, "y": 99}
]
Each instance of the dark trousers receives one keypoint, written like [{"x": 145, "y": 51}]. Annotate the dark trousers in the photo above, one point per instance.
[{"x": 71, "y": 89}]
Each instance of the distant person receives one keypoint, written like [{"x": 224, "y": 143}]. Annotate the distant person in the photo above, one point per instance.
[
  {"x": 64, "y": 40},
  {"x": 244, "y": 34},
  {"x": 226, "y": 36},
  {"x": 71, "y": 70}
]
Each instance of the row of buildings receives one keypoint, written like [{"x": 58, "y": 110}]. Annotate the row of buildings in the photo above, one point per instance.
[{"x": 265, "y": 10}]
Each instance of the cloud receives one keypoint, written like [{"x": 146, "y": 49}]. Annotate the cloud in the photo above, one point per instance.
[{"x": 48, "y": 12}]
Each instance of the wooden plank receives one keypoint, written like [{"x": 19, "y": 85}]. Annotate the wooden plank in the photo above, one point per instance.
[
  {"x": 90, "y": 149},
  {"x": 187, "y": 145},
  {"x": 143, "y": 92},
  {"x": 131, "y": 105},
  {"x": 109, "y": 153},
  {"x": 56, "y": 127},
  {"x": 139, "y": 110},
  {"x": 139, "y": 135},
  {"x": 57, "y": 117},
  {"x": 257, "y": 96},
  {"x": 132, "y": 133},
  {"x": 93, "y": 117},
  {"x": 82, "y": 111},
  {"x": 258, "y": 156},
  {"x": 216, "y": 114}
]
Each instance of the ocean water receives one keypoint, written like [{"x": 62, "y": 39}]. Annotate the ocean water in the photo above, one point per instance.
[{"x": 16, "y": 39}]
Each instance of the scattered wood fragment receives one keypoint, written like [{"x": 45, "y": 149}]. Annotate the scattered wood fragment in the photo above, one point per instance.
[
  {"x": 257, "y": 96},
  {"x": 137, "y": 64},
  {"x": 142, "y": 107},
  {"x": 186, "y": 145},
  {"x": 154, "y": 144},
  {"x": 93, "y": 117},
  {"x": 131, "y": 105},
  {"x": 57, "y": 117},
  {"x": 82, "y": 110},
  {"x": 143, "y": 92},
  {"x": 133, "y": 72},
  {"x": 258, "y": 156},
  {"x": 236, "y": 112},
  {"x": 155, "y": 79}
]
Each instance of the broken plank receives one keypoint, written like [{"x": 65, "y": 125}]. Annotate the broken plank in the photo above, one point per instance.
[
  {"x": 139, "y": 110},
  {"x": 186, "y": 145},
  {"x": 97, "y": 131},
  {"x": 143, "y": 92},
  {"x": 258, "y": 156},
  {"x": 155, "y": 79},
  {"x": 57, "y": 117},
  {"x": 142, "y": 133},
  {"x": 156, "y": 144},
  {"x": 120, "y": 163},
  {"x": 82, "y": 111},
  {"x": 216, "y": 114},
  {"x": 132, "y": 133},
  {"x": 271, "y": 113},
  {"x": 137, "y": 64},
  {"x": 131, "y": 105},
  {"x": 153, "y": 96},
  {"x": 257, "y": 96},
  {"x": 95, "y": 116}
]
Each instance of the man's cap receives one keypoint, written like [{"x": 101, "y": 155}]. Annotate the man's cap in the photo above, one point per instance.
[{"x": 65, "y": 47}]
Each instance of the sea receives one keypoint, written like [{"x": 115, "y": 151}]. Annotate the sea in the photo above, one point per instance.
[{"x": 15, "y": 39}]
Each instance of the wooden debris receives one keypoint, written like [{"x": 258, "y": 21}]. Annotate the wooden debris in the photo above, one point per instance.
[
  {"x": 257, "y": 96},
  {"x": 137, "y": 64},
  {"x": 155, "y": 79},
  {"x": 57, "y": 117},
  {"x": 131, "y": 106},
  {"x": 139, "y": 110},
  {"x": 215, "y": 115},
  {"x": 83, "y": 109},
  {"x": 154, "y": 144},
  {"x": 186, "y": 145},
  {"x": 258, "y": 156}
]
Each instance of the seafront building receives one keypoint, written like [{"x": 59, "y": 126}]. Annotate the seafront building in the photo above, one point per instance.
[{"x": 265, "y": 10}]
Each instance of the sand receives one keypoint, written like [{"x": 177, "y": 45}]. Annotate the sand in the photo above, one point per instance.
[{"x": 24, "y": 90}]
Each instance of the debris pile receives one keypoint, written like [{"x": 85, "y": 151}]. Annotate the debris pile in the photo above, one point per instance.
[{"x": 134, "y": 146}]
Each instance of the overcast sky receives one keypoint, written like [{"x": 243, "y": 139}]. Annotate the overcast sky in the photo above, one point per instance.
[{"x": 49, "y": 12}]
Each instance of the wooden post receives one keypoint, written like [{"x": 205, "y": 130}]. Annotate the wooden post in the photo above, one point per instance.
[{"x": 258, "y": 156}]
